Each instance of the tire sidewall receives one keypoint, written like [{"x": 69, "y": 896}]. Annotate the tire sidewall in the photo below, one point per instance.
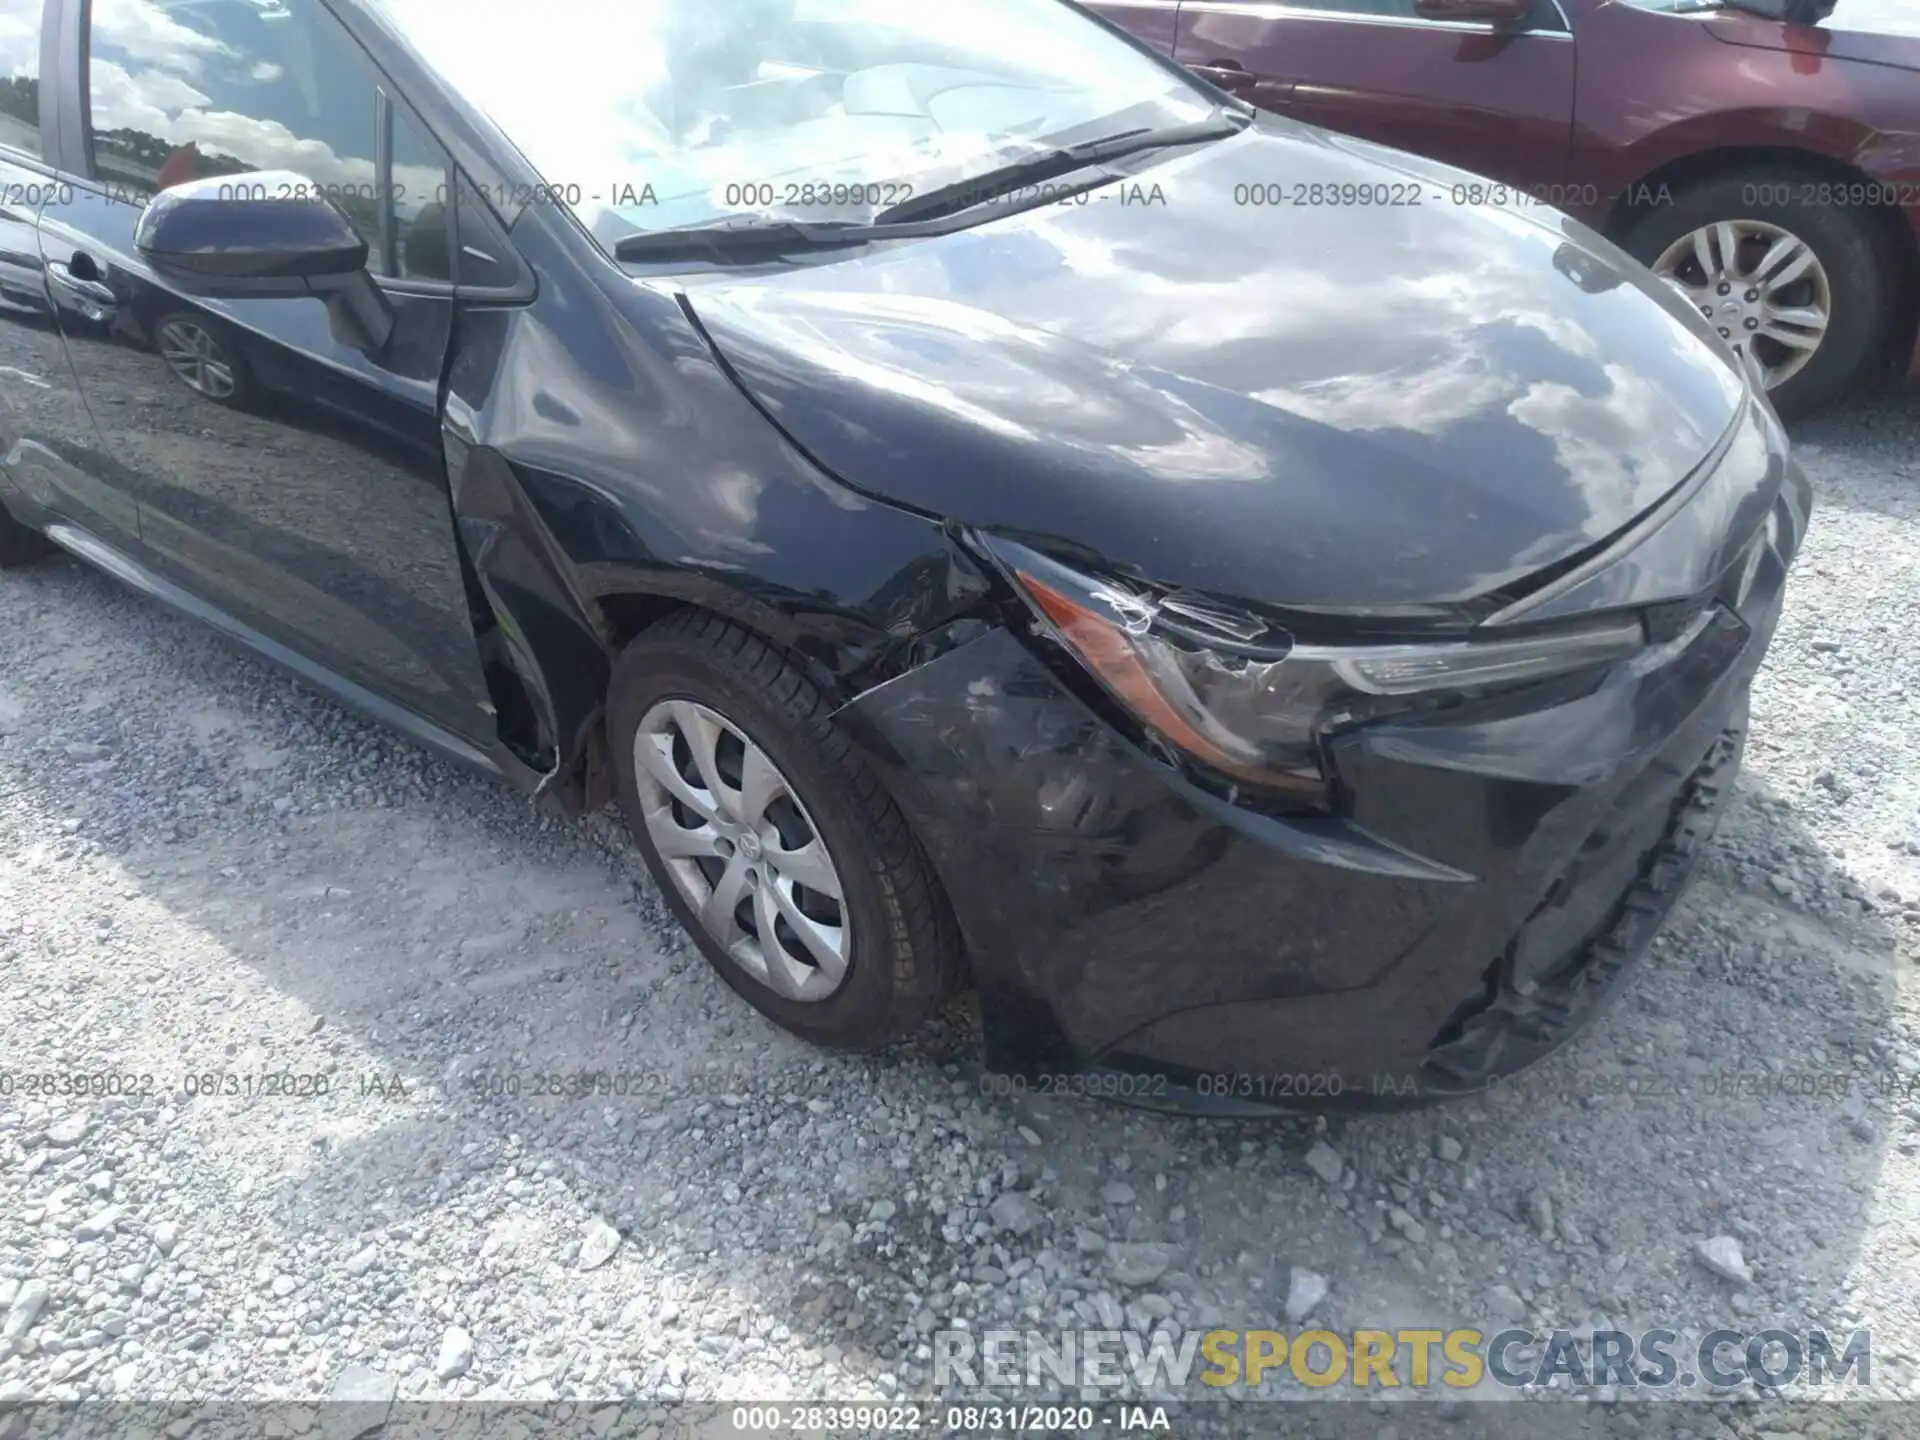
[
  {"x": 1845, "y": 245},
  {"x": 864, "y": 1002}
]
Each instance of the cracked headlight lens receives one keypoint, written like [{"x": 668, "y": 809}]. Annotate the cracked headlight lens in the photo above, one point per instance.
[{"x": 1253, "y": 709}]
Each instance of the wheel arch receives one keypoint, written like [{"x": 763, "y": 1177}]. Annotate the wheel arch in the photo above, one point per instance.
[{"x": 564, "y": 581}]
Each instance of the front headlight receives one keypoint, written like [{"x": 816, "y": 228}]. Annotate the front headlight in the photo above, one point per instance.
[{"x": 1246, "y": 699}]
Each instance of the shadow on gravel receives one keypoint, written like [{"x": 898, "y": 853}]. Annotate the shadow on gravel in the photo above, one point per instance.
[
  {"x": 476, "y": 958},
  {"x": 1883, "y": 420}
]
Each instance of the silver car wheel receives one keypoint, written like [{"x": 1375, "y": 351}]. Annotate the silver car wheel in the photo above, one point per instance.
[
  {"x": 1761, "y": 287},
  {"x": 742, "y": 849},
  {"x": 196, "y": 357}
]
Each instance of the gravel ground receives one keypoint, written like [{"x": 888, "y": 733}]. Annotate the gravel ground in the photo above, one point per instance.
[{"x": 208, "y": 875}]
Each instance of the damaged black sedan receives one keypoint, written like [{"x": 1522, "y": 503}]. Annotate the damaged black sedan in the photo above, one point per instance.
[{"x": 992, "y": 510}]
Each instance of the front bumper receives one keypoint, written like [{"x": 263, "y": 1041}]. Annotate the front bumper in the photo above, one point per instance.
[{"x": 1495, "y": 869}]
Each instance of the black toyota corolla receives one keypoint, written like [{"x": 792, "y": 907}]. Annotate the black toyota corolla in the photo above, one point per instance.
[{"x": 991, "y": 510}]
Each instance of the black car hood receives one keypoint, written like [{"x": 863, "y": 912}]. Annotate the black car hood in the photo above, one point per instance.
[{"x": 1372, "y": 398}]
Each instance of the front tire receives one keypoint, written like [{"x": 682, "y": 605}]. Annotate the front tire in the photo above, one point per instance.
[
  {"x": 1801, "y": 289},
  {"x": 774, "y": 844}
]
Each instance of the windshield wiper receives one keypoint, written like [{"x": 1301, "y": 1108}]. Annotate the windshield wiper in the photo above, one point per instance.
[
  {"x": 1050, "y": 164},
  {"x": 742, "y": 238},
  {"x": 746, "y": 237}
]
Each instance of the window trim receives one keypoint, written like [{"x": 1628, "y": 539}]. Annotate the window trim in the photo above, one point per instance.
[
  {"x": 39, "y": 164},
  {"x": 383, "y": 182},
  {"x": 71, "y": 96},
  {"x": 474, "y": 219},
  {"x": 1283, "y": 10}
]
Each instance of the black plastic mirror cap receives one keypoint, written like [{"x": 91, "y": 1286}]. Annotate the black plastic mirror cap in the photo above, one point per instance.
[{"x": 263, "y": 226}]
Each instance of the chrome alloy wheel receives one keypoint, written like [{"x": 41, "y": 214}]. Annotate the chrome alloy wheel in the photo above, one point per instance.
[
  {"x": 1761, "y": 287},
  {"x": 196, "y": 357},
  {"x": 742, "y": 849}
]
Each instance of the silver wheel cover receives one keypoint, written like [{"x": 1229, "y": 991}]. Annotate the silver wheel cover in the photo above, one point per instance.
[{"x": 742, "y": 849}]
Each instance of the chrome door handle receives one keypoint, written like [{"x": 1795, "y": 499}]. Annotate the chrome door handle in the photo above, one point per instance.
[
  {"x": 1227, "y": 76},
  {"x": 92, "y": 291}
]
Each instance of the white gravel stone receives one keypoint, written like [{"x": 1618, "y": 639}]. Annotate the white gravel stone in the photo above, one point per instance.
[
  {"x": 361, "y": 1399},
  {"x": 69, "y": 1129},
  {"x": 1504, "y": 1303},
  {"x": 1138, "y": 1264},
  {"x": 1305, "y": 1291},
  {"x": 1722, "y": 1256},
  {"x": 456, "y": 1354},
  {"x": 1406, "y": 1224},
  {"x": 98, "y": 1224},
  {"x": 598, "y": 1244},
  {"x": 1324, "y": 1161},
  {"x": 1540, "y": 1212},
  {"x": 28, "y": 1302},
  {"x": 1016, "y": 1213}
]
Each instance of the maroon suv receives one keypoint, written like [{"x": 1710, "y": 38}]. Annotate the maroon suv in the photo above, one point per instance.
[{"x": 1767, "y": 166}]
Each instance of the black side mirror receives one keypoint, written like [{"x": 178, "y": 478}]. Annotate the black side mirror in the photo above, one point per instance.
[{"x": 267, "y": 232}]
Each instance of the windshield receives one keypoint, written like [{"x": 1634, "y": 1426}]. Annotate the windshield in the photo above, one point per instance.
[{"x": 658, "y": 114}]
